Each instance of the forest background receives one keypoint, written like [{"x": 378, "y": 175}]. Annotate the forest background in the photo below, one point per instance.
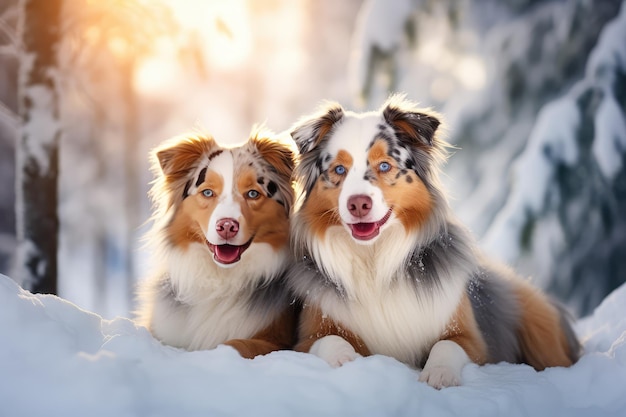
[{"x": 533, "y": 94}]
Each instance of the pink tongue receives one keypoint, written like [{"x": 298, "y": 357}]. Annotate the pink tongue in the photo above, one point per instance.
[
  {"x": 363, "y": 229},
  {"x": 226, "y": 253}
]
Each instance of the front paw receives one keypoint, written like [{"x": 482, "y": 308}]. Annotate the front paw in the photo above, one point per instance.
[
  {"x": 444, "y": 365},
  {"x": 334, "y": 350},
  {"x": 440, "y": 377}
]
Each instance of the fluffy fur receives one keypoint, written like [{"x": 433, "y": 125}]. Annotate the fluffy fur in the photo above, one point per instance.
[
  {"x": 384, "y": 267},
  {"x": 220, "y": 243}
]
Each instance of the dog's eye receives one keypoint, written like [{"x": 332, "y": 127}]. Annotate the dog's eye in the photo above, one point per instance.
[
  {"x": 384, "y": 166},
  {"x": 340, "y": 170},
  {"x": 253, "y": 194},
  {"x": 207, "y": 193}
]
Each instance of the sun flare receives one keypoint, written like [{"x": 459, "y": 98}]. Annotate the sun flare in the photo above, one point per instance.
[
  {"x": 223, "y": 26},
  {"x": 218, "y": 29}
]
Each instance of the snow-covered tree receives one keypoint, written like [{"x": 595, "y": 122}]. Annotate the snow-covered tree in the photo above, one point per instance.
[
  {"x": 37, "y": 153},
  {"x": 569, "y": 217}
]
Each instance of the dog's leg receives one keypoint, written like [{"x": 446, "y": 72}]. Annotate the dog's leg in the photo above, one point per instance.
[
  {"x": 335, "y": 350},
  {"x": 543, "y": 331},
  {"x": 325, "y": 338},
  {"x": 249, "y": 348},
  {"x": 279, "y": 335},
  {"x": 444, "y": 365},
  {"x": 461, "y": 343}
]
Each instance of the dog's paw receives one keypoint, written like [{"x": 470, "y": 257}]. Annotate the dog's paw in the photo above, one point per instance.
[
  {"x": 444, "y": 365},
  {"x": 334, "y": 350},
  {"x": 440, "y": 377}
]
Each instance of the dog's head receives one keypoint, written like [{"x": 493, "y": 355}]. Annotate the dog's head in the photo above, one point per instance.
[
  {"x": 367, "y": 171},
  {"x": 225, "y": 198}
]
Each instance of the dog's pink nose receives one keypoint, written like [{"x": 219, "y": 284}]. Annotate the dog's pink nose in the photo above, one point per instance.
[
  {"x": 227, "y": 228},
  {"x": 359, "y": 205}
]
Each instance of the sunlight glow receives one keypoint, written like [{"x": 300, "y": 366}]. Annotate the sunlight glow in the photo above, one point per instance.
[
  {"x": 465, "y": 69},
  {"x": 157, "y": 75},
  {"x": 222, "y": 25},
  {"x": 216, "y": 32},
  {"x": 471, "y": 72}
]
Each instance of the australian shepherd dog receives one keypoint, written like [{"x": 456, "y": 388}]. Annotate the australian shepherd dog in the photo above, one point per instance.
[
  {"x": 383, "y": 266},
  {"x": 220, "y": 242}
]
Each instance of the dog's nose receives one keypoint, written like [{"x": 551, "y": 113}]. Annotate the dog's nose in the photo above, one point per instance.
[
  {"x": 227, "y": 228},
  {"x": 359, "y": 205}
]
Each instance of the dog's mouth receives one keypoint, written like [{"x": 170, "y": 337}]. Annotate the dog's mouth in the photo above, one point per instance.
[
  {"x": 228, "y": 254},
  {"x": 368, "y": 231}
]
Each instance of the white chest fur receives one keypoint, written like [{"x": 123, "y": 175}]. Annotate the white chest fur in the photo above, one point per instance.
[
  {"x": 204, "y": 325},
  {"x": 210, "y": 305},
  {"x": 392, "y": 313}
]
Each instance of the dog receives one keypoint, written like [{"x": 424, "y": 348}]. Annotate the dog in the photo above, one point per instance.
[
  {"x": 220, "y": 240},
  {"x": 384, "y": 267}
]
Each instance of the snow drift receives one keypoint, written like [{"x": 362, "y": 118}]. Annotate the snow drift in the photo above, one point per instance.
[{"x": 56, "y": 359}]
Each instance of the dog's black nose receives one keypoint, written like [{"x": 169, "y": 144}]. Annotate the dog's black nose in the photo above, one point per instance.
[{"x": 359, "y": 205}]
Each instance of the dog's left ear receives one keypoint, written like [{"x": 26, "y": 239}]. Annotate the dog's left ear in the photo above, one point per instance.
[
  {"x": 277, "y": 154},
  {"x": 415, "y": 125},
  {"x": 280, "y": 157},
  {"x": 309, "y": 132}
]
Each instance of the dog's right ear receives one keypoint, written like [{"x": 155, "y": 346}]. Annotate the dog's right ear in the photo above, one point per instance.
[
  {"x": 179, "y": 156},
  {"x": 309, "y": 131}
]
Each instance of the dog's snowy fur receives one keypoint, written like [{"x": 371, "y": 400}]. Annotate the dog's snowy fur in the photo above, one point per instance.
[
  {"x": 220, "y": 245},
  {"x": 383, "y": 266}
]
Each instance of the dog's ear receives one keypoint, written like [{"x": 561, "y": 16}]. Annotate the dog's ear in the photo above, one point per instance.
[
  {"x": 277, "y": 154},
  {"x": 281, "y": 158},
  {"x": 179, "y": 156},
  {"x": 415, "y": 125},
  {"x": 309, "y": 131}
]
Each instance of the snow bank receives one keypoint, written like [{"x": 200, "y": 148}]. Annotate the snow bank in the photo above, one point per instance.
[{"x": 56, "y": 359}]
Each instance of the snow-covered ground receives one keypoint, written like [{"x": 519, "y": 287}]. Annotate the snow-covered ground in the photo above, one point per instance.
[{"x": 59, "y": 360}]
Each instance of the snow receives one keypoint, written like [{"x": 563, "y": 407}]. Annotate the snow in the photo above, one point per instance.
[
  {"x": 609, "y": 144},
  {"x": 552, "y": 142},
  {"x": 380, "y": 25},
  {"x": 42, "y": 130},
  {"x": 608, "y": 59},
  {"x": 57, "y": 359},
  {"x": 609, "y": 56}
]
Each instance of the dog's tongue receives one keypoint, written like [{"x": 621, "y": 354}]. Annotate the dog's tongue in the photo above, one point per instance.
[
  {"x": 227, "y": 254},
  {"x": 364, "y": 230}
]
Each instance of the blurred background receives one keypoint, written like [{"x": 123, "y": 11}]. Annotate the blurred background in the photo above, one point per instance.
[{"x": 533, "y": 94}]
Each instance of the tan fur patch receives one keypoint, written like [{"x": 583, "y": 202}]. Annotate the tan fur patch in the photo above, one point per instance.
[
  {"x": 195, "y": 211},
  {"x": 405, "y": 192},
  {"x": 320, "y": 211},
  {"x": 314, "y": 325},
  {"x": 321, "y": 208},
  {"x": 542, "y": 339},
  {"x": 280, "y": 334},
  {"x": 176, "y": 160},
  {"x": 342, "y": 158},
  {"x": 463, "y": 330},
  {"x": 264, "y": 217}
]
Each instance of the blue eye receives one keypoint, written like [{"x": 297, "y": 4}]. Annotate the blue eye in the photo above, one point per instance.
[
  {"x": 384, "y": 166},
  {"x": 207, "y": 193},
  {"x": 340, "y": 170},
  {"x": 253, "y": 194}
]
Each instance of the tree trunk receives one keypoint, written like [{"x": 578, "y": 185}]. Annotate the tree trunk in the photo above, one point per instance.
[{"x": 37, "y": 150}]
